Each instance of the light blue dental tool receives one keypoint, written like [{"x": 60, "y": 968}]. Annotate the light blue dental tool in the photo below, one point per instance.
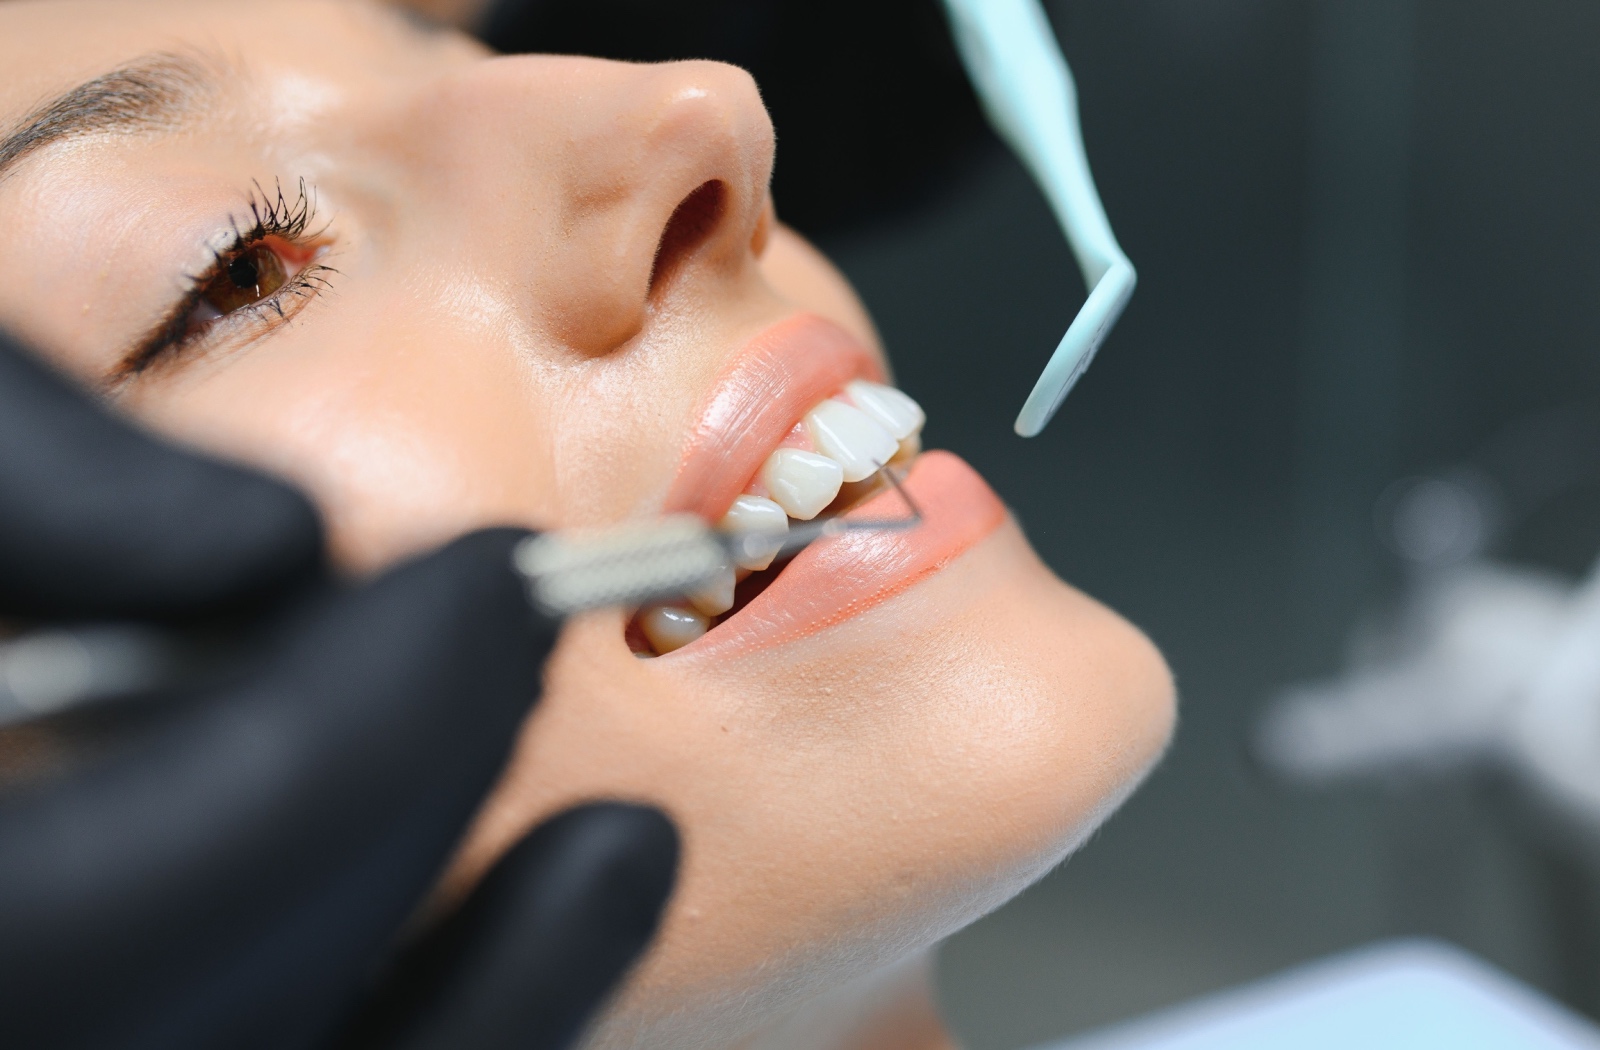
[{"x": 1027, "y": 92}]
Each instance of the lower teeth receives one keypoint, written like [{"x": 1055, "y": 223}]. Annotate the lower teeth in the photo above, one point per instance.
[
  {"x": 667, "y": 627},
  {"x": 716, "y": 597}
]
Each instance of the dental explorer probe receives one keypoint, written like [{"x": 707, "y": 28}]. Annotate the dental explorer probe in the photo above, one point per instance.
[
  {"x": 1028, "y": 94},
  {"x": 640, "y": 562}
]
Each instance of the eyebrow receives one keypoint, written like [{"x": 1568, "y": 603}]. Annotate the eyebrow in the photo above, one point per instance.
[{"x": 153, "y": 93}]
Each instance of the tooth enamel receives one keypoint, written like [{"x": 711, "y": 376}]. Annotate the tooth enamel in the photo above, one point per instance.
[
  {"x": 889, "y": 408},
  {"x": 848, "y": 436},
  {"x": 801, "y": 482},
  {"x": 909, "y": 447},
  {"x": 716, "y": 597},
  {"x": 670, "y": 628},
  {"x": 756, "y": 514}
]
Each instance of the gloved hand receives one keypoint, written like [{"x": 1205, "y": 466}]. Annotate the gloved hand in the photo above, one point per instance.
[{"x": 231, "y": 863}]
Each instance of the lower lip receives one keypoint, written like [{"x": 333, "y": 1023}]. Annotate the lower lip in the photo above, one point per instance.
[{"x": 835, "y": 579}]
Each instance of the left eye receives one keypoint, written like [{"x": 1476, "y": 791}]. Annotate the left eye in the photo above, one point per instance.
[{"x": 246, "y": 279}]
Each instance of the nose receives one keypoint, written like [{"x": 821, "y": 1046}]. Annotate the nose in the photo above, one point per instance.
[{"x": 596, "y": 186}]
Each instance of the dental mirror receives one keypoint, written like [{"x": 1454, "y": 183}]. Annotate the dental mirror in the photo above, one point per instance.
[{"x": 1028, "y": 94}]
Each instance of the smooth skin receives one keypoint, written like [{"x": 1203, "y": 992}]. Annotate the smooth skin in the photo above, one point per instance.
[{"x": 494, "y": 349}]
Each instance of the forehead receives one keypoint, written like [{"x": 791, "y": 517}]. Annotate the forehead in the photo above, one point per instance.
[{"x": 49, "y": 46}]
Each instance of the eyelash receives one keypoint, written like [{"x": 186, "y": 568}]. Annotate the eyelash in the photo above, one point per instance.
[{"x": 273, "y": 217}]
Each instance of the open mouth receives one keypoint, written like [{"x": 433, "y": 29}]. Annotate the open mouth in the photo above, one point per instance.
[{"x": 826, "y": 465}]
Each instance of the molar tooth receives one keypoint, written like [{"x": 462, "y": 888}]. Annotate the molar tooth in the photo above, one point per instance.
[
  {"x": 892, "y": 409},
  {"x": 669, "y": 627},
  {"x": 716, "y": 597},
  {"x": 849, "y": 436},
  {"x": 801, "y": 482},
  {"x": 756, "y": 514}
]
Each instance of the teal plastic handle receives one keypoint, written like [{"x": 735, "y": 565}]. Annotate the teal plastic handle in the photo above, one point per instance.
[{"x": 1028, "y": 93}]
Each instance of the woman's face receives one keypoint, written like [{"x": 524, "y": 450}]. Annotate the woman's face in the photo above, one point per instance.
[{"x": 551, "y": 291}]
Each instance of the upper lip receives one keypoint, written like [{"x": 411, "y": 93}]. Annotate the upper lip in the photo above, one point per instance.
[
  {"x": 776, "y": 378},
  {"x": 768, "y": 386}
]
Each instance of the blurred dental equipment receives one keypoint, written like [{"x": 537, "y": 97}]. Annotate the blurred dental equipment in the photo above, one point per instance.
[
  {"x": 1486, "y": 664},
  {"x": 1409, "y": 994},
  {"x": 49, "y": 670},
  {"x": 1028, "y": 93}
]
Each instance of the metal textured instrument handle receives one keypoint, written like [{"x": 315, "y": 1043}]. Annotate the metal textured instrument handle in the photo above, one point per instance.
[
  {"x": 629, "y": 564},
  {"x": 638, "y": 562}
]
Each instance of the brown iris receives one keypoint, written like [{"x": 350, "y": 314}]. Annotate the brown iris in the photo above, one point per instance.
[{"x": 248, "y": 278}]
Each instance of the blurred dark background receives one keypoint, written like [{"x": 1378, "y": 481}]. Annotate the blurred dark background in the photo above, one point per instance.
[{"x": 1368, "y": 240}]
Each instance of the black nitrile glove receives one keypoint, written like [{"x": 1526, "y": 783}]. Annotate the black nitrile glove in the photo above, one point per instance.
[{"x": 230, "y": 863}]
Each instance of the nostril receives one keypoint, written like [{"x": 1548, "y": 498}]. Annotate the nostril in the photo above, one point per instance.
[{"x": 692, "y": 222}]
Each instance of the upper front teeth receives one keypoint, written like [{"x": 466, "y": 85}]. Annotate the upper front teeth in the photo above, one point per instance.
[
  {"x": 851, "y": 438},
  {"x": 757, "y": 514},
  {"x": 888, "y": 407},
  {"x": 801, "y": 482}
]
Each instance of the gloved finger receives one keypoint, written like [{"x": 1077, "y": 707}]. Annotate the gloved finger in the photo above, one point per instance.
[
  {"x": 230, "y": 877},
  {"x": 528, "y": 958},
  {"x": 98, "y": 520}
]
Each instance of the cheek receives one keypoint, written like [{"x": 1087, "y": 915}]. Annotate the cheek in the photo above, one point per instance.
[
  {"x": 993, "y": 715},
  {"x": 404, "y": 437},
  {"x": 1070, "y": 707}
]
